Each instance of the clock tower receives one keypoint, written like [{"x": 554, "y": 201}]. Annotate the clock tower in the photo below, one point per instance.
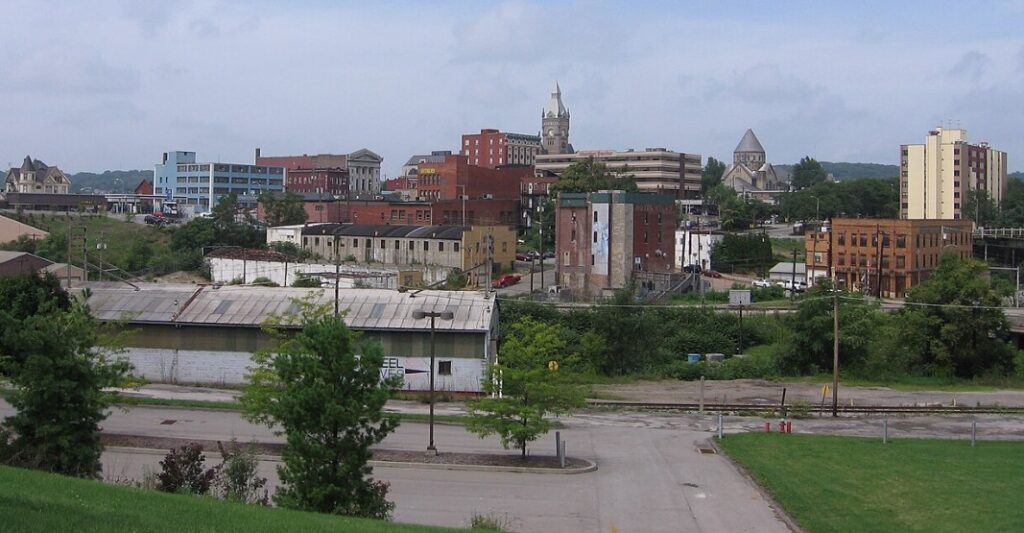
[{"x": 555, "y": 125}]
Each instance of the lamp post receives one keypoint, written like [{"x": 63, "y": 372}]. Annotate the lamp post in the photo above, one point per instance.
[{"x": 420, "y": 314}]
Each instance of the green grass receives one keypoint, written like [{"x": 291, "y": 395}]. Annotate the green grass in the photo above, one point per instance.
[
  {"x": 859, "y": 484},
  {"x": 36, "y": 501},
  {"x": 782, "y": 249}
]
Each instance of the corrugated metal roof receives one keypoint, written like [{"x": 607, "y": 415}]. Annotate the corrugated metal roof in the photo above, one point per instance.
[
  {"x": 386, "y": 230},
  {"x": 367, "y": 309}
]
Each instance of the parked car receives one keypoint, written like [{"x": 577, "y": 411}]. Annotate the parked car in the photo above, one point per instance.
[
  {"x": 762, "y": 283},
  {"x": 692, "y": 269},
  {"x": 712, "y": 274},
  {"x": 799, "y": 286},
  {"x": 153, "y": 219},
  {"x": 505, "y": 280},
  {"x": 521, "y": 256}
]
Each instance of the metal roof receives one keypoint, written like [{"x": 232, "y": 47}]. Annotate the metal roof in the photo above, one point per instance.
[{"x": 366, "y": 309}]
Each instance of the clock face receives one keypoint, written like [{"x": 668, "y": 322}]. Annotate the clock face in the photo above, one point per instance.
[{"x": 551, "y": 133}]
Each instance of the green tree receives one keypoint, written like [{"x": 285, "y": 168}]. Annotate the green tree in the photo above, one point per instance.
[
  {"x": 199, "y": 233},
  {"x": 809, "y": 349},
  {"x": 1012, "y": 213},
  {"x": 590, "y": 176},
  {"x": 743, "y": 253},
  {"x": 980, "y": 207},
  {"x": 806, "y": 173},
  {"x": 282, "y": 209},
  {"x": 949, "y": 326},
  {"x": 322, "y": 387},
  {"x": 58, "y": 376},
  {"x": 711, "y": 176},
  {"x": 531, "y": 387}
]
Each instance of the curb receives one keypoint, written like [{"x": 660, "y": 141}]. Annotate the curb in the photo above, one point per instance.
[
  {"x": 590, "y": 467},
  {"x": 772, "y": 502}
]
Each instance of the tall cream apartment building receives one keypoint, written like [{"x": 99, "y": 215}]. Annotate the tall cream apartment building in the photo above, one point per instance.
[{"x": 935, "y": 176}]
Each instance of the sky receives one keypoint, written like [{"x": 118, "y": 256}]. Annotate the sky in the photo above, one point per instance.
[{"x": 111, "y": 84}]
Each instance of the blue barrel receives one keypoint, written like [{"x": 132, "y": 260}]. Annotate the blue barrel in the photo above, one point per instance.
[{"x": 693, "y": 358}]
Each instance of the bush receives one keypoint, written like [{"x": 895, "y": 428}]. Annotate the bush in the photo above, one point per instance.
[
  {"x": 236, "y": 477},
  {"x": 265, "y": 282},
  {"x": 750, "y": 367},
  {"x": 308, "y": 282},
  {"x": 182, "y": 470}
]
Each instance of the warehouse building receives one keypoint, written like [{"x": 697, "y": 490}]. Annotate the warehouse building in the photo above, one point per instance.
[{"x": 180, "y": 333}]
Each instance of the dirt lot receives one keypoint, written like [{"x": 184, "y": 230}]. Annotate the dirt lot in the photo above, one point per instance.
[{"x": 770, "y": 392}]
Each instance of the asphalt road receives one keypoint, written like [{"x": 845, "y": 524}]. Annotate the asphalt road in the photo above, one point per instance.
[{"x": 651, "y": 476}]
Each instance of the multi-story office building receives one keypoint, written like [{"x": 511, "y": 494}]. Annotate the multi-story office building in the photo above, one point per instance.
[
  {"x": 655, "y": 169},
  {"x": 885, "y": 257},
  {"x": 363, "y": 167},
  {"x": 602, "y": 239},
  {"x": 455, "y": 177},
  {"x": 199, "y": 186},
  {"x": 492, "y": 148},
  {"x": 936, "y": 176}
]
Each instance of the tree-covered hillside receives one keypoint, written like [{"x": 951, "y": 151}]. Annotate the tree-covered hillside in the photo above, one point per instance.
[
  {"x": 108, "y": 181},
  {"x": 852, "y": 170}
]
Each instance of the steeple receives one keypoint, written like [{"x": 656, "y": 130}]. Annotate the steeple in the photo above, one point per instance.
[
  {"x": 749, "y": 143},
  {"x": 555, "y": 125},
  {"x": 555, "y": 108},
  {"x": 749, "y": 152}
]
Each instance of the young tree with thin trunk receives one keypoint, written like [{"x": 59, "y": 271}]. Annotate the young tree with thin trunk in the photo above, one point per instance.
[
  {"x": 530, "y": 384},
  {"x": 322, "y": 387}
]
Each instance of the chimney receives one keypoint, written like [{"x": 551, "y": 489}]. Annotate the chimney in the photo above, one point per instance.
[{"x": 257, "y": 160}]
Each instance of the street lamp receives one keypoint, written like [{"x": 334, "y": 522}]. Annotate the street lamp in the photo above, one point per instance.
[{"x": 420, "y": 314}]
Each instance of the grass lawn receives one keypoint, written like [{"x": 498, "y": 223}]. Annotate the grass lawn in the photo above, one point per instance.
[
  {"x": 859, "y": 484},
  {"x": 36, "y": 501}
]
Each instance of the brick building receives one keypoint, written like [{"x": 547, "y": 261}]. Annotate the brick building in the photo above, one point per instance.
[
  {"x": 493, "y": 148},
  {"x": 331, "y": 181},
  {"x": 326, "y": 208},
  {"x": 903, "y": 252},
  {"x": 362, "y": 167},
  {"x": 456, "y": 177},
  {"x": 603, "y": 238}
]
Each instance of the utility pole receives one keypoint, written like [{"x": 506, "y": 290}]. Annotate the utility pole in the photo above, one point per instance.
[
  {"x": 792, "y": 281},
  {"x": 337, "y": 272},
  {"x": 878, "y": 280},
  {"x": 835, "y": 349},
  {"x": 540, "y": 209},
  {"x": 67, "y": 268}
]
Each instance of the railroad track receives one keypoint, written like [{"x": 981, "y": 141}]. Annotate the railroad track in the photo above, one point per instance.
[{"x": 827, "y": 408}]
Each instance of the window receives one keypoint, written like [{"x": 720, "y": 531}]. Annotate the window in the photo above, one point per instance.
[
  {"x": 841, "y": 239},
  {"x": 901, "y": 262},
  {"x": 355, "y": 243},
  {"x": 645, "y": 236},
  {"x": 440, "y": 246},
  {"x": 316, "y": 241},
  {"x": 455, "y": 247},
  {"x": 840, "y": 259},
  {"x": 863, "y": 239},
  {"x": 595, "y": 216},
  {"x": 328, "y": 242},
  {"x": 595, "y": 236},
  {"x": 426, "y": 246},
  {"x": 397, "y": 244},
  {"x": 565, "y": 258},
  {"x": 383, "y": 244},
  {"x": 901, "y": 241},
  {"x": 444, "y": 368},
  {"x": 572, "y": 236},
  {"x": 591, "y": 259}
]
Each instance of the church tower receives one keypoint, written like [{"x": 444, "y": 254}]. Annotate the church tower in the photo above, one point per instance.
[
  {"x": 749, "y": 152},
  {"x": 555, "y": 125}
]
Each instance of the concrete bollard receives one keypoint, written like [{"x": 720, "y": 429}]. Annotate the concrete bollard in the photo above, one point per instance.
[
  {"x": 885, "y": 430},
  {"x": 789, "y": 426},
  {"x": 561, "y": 454},
  {"x": 974, "y": 432},
  {"x": 767, "y": 427},
  {"x": 720, "y": 433},
  {"x": 558, "y": 442}
]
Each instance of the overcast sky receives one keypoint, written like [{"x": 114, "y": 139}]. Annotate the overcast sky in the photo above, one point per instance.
[{"x": 109, "y": 84}]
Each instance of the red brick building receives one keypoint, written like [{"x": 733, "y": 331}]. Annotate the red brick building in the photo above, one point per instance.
[
  {"x": 293, "y": 162},
  {"x": 332, "y": 181},
  {"x": 455, "y": 178},
  {"x": 602, "y": 239},
  {"x": 445, "y": 212},
  {"x": 145, "y": 188},
  {"x": 492, "y": 148}
]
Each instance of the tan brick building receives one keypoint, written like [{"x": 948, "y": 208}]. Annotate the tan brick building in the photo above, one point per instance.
[{"x": 885, "y": 257}]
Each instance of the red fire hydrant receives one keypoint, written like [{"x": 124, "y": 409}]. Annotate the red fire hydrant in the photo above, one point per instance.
[
  {"x": 767, "y": 427},
  {"x": 782, "y": 426}
]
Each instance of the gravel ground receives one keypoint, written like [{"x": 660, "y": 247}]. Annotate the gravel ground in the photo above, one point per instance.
[{"x": 770, "y": 392}]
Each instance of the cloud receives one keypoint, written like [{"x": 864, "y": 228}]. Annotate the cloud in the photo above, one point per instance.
[
  {"x": 972, "y": 66},
  {"x": 60, "y": 68}
]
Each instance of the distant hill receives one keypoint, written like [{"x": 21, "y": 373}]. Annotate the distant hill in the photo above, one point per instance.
[
  {"x": 846, "y": 171},
  {"x": 109, "y": 181},
  {"x": 1016, "y": 175}
]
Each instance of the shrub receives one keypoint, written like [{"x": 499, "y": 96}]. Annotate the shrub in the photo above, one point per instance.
[
  {"x": 182, "y": 470},
  {"x": 236, "y": 477},
  {"x": 265, "y": 282}
]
